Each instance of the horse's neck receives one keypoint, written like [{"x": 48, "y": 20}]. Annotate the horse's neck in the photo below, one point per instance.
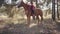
[{"x": 25, "y": 6}]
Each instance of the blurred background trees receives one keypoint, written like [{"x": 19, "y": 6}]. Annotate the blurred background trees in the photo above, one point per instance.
[{"x": 48, "y": 5}]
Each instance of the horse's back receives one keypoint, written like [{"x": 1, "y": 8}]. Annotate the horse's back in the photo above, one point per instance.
[{"x": 38, "y": 11}]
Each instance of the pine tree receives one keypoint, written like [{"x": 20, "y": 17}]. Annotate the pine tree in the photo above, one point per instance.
[{"x": 53, "y": 10}]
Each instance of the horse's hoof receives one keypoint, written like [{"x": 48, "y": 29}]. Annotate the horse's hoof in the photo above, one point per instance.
[{"x": 27, "y": 25}]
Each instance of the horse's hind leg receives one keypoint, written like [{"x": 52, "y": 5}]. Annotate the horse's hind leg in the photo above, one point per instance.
[
  {"x": 41, "y": 18},
  {"x": 38, "y": 19}
]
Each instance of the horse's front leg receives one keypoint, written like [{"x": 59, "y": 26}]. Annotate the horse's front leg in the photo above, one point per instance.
[{"x": 28, "y": 20}]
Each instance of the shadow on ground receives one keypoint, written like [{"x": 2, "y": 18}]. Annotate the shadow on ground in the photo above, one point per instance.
[{"x": 46, "y": 27}]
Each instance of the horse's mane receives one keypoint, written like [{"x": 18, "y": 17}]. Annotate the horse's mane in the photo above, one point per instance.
[{"x": 27, "y": 4}]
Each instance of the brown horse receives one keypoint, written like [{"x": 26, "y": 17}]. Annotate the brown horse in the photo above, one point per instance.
[{"x": 28, "y": 12}]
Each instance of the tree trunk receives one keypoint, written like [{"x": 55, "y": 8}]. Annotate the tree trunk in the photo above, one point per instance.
[
  {"x": 37, "y": 4},
  {"x": 53, "y": 10},
  {"x": 57, "y": 10},
  {"x": 48, "y": 1}
]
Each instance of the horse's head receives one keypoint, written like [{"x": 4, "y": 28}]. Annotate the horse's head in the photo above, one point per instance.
[{"x": 19, "y": 3}]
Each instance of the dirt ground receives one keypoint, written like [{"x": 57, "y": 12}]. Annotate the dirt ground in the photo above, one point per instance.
[{"x": 19, "y": 27}]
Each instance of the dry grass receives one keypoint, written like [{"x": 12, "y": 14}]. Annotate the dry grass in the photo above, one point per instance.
[{"x": 17, "y": 25}]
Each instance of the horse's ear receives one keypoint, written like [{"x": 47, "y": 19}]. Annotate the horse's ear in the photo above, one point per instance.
[{"x": 22, "y": 0}]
